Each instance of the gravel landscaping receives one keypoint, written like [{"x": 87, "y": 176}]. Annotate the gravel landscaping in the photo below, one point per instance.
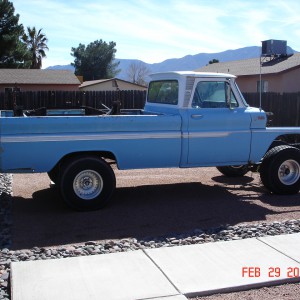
[
  {"x": 5, "y": 237},
  {"x": 197, "y": 236}
]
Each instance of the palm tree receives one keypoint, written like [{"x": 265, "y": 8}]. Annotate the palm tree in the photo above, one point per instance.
[{"x": 36, "y": 43}]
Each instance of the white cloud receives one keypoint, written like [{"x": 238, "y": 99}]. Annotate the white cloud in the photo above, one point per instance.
[{"x": 156, "y": 30}]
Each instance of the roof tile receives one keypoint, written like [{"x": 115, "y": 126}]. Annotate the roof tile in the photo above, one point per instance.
[
  {"x": 252, "y": 66},
  {"x": 37, "y": 76}
]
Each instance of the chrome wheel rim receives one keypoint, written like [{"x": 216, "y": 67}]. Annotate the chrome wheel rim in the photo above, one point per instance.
[
  {"x": 88, "y": 184},
  {"x": 289, "y": 172}
]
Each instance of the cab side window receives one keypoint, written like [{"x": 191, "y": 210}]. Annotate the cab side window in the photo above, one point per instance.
[
  {"x": 163, "y": 91},
  {"x": 212, "y": 94}
]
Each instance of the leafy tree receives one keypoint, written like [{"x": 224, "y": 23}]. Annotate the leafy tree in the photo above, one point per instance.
[
  {"x": 13, "y": 53},
  {"x": 213, "y": 61},
  {"x": 95, "y": 61},
  {"x": 36, "y": 43},
  {"x": 137, "y": 72}
]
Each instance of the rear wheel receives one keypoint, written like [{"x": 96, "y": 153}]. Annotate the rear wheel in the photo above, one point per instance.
[
  {"x": 87, "y": 183},
  {"x": 280, "y": 170},
  {"x": 234, "y": 171}
]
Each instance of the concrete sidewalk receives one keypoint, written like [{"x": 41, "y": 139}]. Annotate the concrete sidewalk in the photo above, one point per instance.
[{"x": 164, "y": 273}]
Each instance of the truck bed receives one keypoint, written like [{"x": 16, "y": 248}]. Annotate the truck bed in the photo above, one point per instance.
[{"x": 36, "y": 142}]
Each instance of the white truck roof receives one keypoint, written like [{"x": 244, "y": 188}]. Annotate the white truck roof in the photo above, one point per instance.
[{"x": 190, "y": 74}]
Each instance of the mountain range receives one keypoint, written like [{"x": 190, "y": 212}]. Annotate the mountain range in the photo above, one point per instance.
[{"x": 188, "y": 62}]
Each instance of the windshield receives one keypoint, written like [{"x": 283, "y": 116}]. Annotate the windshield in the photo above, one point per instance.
[{"x": 163, "y": 91}]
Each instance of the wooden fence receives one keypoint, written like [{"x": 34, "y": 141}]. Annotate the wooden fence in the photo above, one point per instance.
[
  {"x": 285, "y": 107},
  {"x": 67, "y": 99}
]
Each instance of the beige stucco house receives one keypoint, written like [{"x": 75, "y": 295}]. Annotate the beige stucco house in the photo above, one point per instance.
[
  {"x": 111, "y": 84},
  {"x": 280, "y": 75},
  {"x": 38, "y": 80}
]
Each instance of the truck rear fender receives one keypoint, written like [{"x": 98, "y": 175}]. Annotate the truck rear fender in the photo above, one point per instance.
[{"x": 106, "y": 155}]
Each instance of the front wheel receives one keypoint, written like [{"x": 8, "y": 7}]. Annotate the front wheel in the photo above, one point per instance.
[
  {"x": 280, "y": 170},
  {"x": 87, "y": 183},
  {"x": 234, "y": 171},
  {"x": 54, "y": 174}
]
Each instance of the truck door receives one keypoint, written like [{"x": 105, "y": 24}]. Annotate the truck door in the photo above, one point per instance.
[{"x": 217, "y": 134}]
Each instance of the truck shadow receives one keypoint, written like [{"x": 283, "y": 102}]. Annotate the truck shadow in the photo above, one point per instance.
[
  {"x": 244, "y": 180},
  {"x": 248, "y": 183},
  {"x": 143, "y": 211}
]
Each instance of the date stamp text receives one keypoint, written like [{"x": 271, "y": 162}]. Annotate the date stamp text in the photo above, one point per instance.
[{"x": 271, "y": 272}]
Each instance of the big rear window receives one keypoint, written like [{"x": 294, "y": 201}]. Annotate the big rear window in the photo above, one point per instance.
[{"x": 163, "y": 91}]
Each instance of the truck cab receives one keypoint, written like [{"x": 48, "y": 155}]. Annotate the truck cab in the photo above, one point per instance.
[{"x": 214, "y": 114}]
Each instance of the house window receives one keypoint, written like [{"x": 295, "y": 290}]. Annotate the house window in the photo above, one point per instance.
[
  {"x": 8, "y": 90},
  {"x": 264, "y": 86}
]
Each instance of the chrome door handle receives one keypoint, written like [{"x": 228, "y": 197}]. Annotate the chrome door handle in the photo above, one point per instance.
[{"x": 197, "y": 116}]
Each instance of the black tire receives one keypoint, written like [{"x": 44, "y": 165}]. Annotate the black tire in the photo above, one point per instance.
[
  {"x": 53, "y": 174},
  {"x": 234, "y": 171},
  {"x": 280, "y": 170},
  {"x": 87, "y": 183}
]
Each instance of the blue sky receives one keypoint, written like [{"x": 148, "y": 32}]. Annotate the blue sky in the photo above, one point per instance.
[{"x": 156, "y": 30}]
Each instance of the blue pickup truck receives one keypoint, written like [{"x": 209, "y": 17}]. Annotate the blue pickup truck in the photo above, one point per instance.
[{"x": 190, "y": 119}]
